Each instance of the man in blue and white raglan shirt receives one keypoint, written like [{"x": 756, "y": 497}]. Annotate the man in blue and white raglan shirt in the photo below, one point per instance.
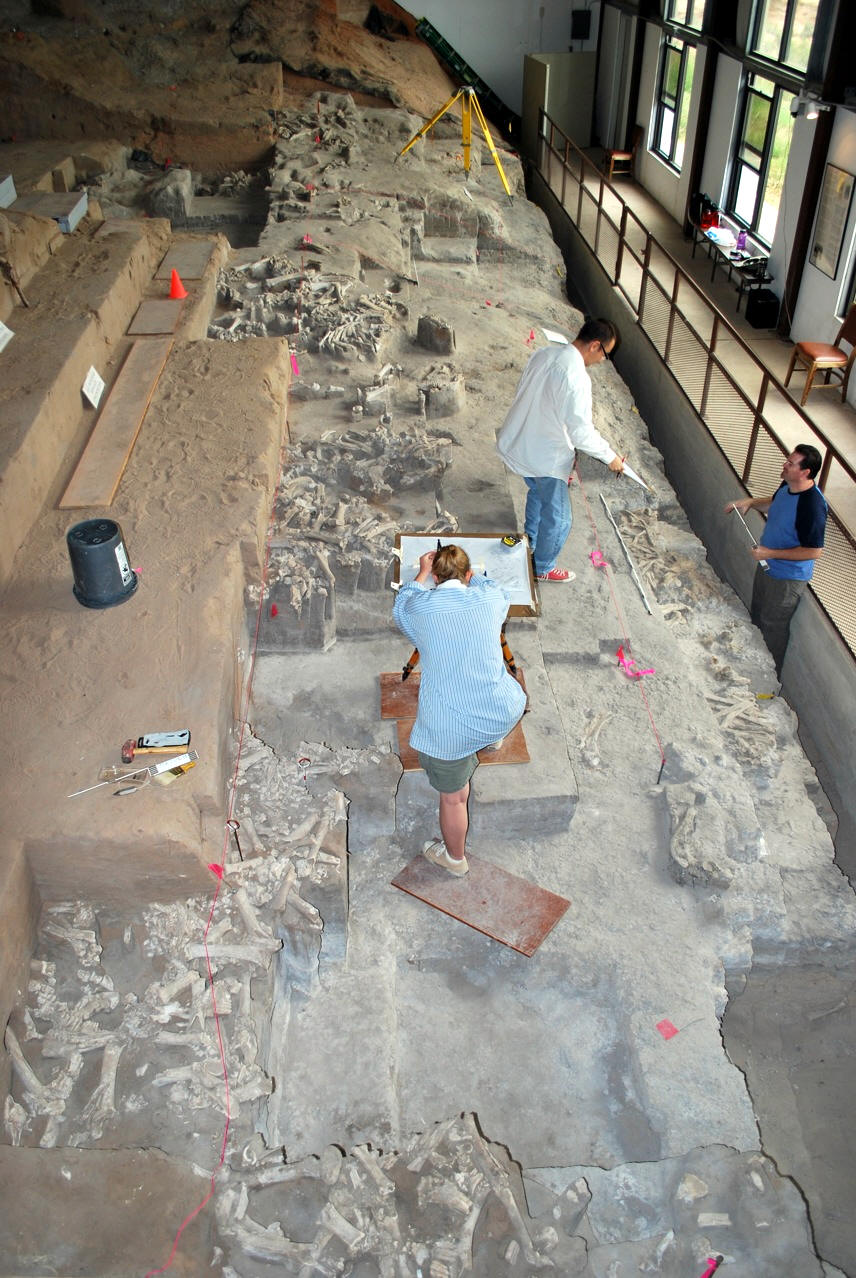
[
  {"x": 467, "y": 699},
  {"x": 793, "y": 540}
]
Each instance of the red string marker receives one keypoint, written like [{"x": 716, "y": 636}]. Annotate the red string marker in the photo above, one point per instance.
[
  {"x": 274, "y": 611},
  {"x": 597, "y": 559},
  {"x": 294, "y": 367},
  {"x": 668, "y": 1030},
  {"x": 215, "y": 869},
  {"x": 713, "y": 1263}
]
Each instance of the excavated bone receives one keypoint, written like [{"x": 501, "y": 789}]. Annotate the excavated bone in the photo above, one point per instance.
[
  {"x": 15, "y": 1120},
  {"x": 269, "y": 1243},
  {"x": 249, "y": 838},
  {"x": 427, "y": 1143},
  {"x": 167, "y": 992},
  {"x": 308, "y": 911},
  {"x": 492, "y": 1172},
  {"x": 102, "y": 1103},
  {"x": 257, "y": 929},
  {"x": 278, "y": 902},
  {"x": 50, "y": 1135},
  {"x": 29, "y": 1080},
  {"x": 333, "y": 1220},
  {"x": 383, "y": 1184},
  {"x": 259, "y": 952}
]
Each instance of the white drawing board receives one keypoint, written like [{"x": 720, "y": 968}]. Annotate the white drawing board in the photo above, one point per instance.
[{"x": 509, "y": 566}]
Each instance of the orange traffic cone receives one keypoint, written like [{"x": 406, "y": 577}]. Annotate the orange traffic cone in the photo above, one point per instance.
[{"x": 176, "y": 289}]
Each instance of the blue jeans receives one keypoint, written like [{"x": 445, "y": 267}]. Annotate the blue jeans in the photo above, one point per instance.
[{"x": 548, "y": 520}]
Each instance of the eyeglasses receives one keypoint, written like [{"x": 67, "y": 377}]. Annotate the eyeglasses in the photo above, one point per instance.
[{"x": 607, "y": 354}]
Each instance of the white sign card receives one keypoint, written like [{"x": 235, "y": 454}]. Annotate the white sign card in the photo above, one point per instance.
[
  {"x": 508, "y": 566},
  {"x": 93, "y": 387},
  {"x": 6, "y": 335},
  {"x": 552, "y": 336}
]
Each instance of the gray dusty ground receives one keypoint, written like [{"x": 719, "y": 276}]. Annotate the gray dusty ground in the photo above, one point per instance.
[{"x": 409, "y": 1096}]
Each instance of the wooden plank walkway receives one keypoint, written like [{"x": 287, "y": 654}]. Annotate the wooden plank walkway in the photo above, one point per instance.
[{"x": 105, "y": 457}]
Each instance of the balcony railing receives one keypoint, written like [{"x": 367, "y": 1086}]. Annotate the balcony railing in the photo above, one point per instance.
[{"x": 749, "y": 419}]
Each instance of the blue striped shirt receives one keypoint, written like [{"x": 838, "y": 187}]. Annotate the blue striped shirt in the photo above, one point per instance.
[{"x": 467, "y": 698}]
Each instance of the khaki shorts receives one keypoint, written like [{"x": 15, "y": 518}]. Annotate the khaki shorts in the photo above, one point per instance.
[{"x": 448, "y": 775}]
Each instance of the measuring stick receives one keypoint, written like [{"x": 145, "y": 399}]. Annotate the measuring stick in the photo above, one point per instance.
[
  {"x": 762, "y": 562},
  {"x": 633, "y": 571}
]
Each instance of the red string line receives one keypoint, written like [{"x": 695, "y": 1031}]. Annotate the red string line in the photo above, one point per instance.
[
  {"x": 217, "y": 869},
  {"x": 598, "y": 561}
]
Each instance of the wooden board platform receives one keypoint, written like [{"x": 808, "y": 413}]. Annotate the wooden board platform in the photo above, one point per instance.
[
  {"x": 154, "y": 317},
  {"x": 105, "y": 457},
  {"x": 189, "y": 258},
  {"x": 513, "y": 749},
  {"x": 490, "y": 900}
]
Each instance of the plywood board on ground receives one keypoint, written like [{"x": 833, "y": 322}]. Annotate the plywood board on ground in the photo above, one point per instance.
[
  {"x": 105, "y": 457},
  {"x": 155, "y": 317},
  {"x": 189, "y": 258},
  {"x": 490, "y": 900},
  {"x": 512, "y": 750}
]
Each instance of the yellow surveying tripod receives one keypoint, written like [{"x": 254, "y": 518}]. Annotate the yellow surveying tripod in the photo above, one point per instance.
[{"x": 469, "y": 104}]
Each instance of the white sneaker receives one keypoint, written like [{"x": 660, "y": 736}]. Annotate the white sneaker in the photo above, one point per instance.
[
  {"x": 497, "y": 745},
  {"x": 435, "y": 852}
]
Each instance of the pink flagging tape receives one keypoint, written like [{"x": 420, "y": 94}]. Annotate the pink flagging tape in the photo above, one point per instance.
[
  {"x": 629, "y": 666},
  {"x": 667, "y": 1029}
]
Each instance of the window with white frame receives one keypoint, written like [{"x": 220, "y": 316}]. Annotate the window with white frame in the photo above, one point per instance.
[
  {"x": 782, "y": 31},
  {"x": 761, "y": 156},
  {"x": 672, "y": 105}
]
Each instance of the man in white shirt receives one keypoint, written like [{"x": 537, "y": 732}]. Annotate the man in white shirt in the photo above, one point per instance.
[{"x": 549, "y": 419}]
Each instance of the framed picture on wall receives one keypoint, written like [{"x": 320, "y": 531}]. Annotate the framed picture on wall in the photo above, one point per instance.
[{"x": 832, "y": 212}]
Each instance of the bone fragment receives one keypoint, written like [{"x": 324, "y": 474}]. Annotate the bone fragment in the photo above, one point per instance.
[
  {"x": 259, "y": 951},
  {"x": 249, "y": 838},
  {"x": 333, "y": 1220},
  {"x": 384, "y": 1185},
  {"x": 29, "y": 1079},
  {"x": 492, "y": 1172},
  {"x": 257, "y": 930},
  {"x": 15, "y": 1120},
  {"x": 102, "y": 1103},
  {"x": 278, "y": 902},
  {"x": 308, "y": 911},
  {"x": 167, "y": 992}
]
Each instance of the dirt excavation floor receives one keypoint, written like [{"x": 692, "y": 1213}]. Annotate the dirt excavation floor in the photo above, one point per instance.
[{"x": 242, "y": 1050}]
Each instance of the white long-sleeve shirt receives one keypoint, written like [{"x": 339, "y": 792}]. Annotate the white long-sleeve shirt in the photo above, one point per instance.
[{"x": 550, "y": 417}]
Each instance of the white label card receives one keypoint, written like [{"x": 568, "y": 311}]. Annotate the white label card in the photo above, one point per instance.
[{"x": 93, "y": 387}]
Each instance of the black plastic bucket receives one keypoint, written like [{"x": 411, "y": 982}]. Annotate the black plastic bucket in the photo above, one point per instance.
[{"x": 99, "y": 561}]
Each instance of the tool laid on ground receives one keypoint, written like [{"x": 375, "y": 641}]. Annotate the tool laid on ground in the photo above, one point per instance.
[
  {"x": 177, "y": 764},
  {"x": 633, "y": 572},
  {"x": 155, "y": 743},
  {"x": 736, "y": 512}
]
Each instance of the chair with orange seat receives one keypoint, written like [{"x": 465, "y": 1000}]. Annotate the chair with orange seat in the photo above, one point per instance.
[
  {"x": 832, "y": 361},
  {"x": 618, "y": 162}
]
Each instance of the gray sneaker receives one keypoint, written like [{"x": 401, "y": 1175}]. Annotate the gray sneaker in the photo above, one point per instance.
[{"x": 435, "y": 852}]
